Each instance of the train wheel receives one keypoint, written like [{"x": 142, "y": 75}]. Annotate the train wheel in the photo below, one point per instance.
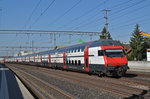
[
  {"x": 100, "y": 74},
  {"x": 120, "y": 72}
]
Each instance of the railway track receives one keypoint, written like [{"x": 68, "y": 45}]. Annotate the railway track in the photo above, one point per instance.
[
  {"x": 124, "y": 87},
  {"x": 35, "y": 85}
]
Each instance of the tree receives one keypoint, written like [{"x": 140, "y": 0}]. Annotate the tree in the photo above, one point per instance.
[
  {"x": 105, "y": 35},
  {"x": 137, "y": 44},
  {"x": 109, "y": 36}
]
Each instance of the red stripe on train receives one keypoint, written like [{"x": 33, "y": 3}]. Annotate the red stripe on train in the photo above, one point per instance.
[
  {"x": 86, "y": 59},
  {"x": 41, "y": 60},
  {"x": 64, "y": 60}
]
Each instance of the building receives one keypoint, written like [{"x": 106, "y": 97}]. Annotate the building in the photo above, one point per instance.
[{"x": 148, "y": 54}]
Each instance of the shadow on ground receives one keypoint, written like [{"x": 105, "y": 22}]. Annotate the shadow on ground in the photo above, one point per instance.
[
  {"x": 127, "y": 75},
  {"x": 130, "y": 75},
  {"x": 142, "y": 95}
]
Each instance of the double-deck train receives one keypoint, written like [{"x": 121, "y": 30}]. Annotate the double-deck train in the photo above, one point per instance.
[{"x": 102, "y": 57}]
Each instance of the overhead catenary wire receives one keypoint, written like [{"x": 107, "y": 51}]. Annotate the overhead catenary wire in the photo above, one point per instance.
[
  {"x": 67, "y": 11},
  {"x": 120, "y": 4},
  {"x": 118, "y": 11},
  {"x": 29, "y": 18},
  {"x": 86, "y": 13},
  {"x": 132, "y": 11},
  {"x": 132, "y": 23},
  {"x": 51, "y": 3},
  {"x": 134, "y": 17},
  {"x": 121, "y": 23},
  {"x": 132, "y": 5},
  {"x": 89, "y": 11},
  {"x": 93, "y": 21},
  {"x": 128, "y": 26},
  {"x": 85, "y": 24}
]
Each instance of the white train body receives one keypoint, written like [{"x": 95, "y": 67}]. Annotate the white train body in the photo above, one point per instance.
[{"x": 102, "y": 56}]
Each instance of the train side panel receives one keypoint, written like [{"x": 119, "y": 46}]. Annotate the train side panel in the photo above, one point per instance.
[{"x": 96, "y": 60}]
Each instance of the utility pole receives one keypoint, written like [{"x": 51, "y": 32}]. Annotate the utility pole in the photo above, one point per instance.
[{"x": 106, "y": 25}]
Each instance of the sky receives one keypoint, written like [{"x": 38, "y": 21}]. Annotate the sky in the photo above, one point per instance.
[{"x": 69, "y": 15}]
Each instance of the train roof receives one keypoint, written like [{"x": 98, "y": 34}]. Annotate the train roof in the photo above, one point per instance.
[{"x": 107, "y": 42}]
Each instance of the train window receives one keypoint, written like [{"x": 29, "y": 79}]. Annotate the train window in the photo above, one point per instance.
[
  {"x": 100, "y": 53},
  {"x": 82, "y": 49},
  {"x": 72, "y": 62},
  {"x": 66, "y": 62},
  {"x": 78, "y": 49},
  {"x": 79, "y": 62},
  {"x": 114, "y": 53},
  {"x": 69, "y": 61},
  {"x": 75, "y": 62},
  {"x": 75, "y": 50}
]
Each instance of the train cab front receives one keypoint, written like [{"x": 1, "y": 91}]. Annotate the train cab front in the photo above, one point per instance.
[{"x": 116, "y": 62}]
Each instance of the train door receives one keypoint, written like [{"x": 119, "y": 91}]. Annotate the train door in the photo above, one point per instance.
[
  {"x": 29, "y": 59},
  {"x": 64, "y": 60},
  {"x": 34, "y": 60},
  {"x": 55, "y": 59},
  {"x": 41, "y": 60},
  {"x": 21, "y": 59},
  {"x": 16, "y": 60},
  {"x": 86, "y": 59},
  {"x": 25, "y": 60}
]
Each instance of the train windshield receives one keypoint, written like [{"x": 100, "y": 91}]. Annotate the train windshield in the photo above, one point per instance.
[{"x": 114, "y": 53}]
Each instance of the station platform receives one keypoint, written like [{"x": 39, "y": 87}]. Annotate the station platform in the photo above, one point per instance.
[{"x": 11, "y": 87}]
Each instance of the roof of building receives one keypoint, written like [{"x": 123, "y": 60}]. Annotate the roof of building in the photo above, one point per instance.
[{"x": 148, "y": 50}]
